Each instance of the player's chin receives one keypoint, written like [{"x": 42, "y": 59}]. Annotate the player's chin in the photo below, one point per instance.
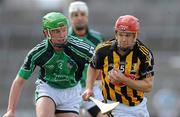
[{"x": 125, "y": 46}]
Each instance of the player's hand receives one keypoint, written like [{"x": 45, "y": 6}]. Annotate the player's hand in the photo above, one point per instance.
[
  {"x": 9, "y": 114},
  {"x": 86, "y": 94},
  {"x": 116, "y": 77}
]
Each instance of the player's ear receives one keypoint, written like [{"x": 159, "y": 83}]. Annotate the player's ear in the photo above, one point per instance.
[
  {"x": 45, "y": 32},
  {"x": 115, "y": 33},
  {"x": 136, "y": 36}
]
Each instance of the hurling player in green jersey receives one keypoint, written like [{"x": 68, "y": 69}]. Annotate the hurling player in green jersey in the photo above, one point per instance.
[
  {"x": 78, "y": 15},
  {"x": 61, "y": 59}
]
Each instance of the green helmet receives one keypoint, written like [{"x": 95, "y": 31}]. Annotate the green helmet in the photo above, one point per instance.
[{"x": 54, "y": 20}]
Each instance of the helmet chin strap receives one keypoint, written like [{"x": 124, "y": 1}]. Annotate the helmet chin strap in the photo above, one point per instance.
[
  {"x": 59, "y": 45},
  {"x": 125, "y": 50},
  {"x": 122, "y": 49}
]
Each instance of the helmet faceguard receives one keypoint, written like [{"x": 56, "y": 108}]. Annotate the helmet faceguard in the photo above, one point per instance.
[
  {"x": 127, "y": 24},
  {"x": 52, "y": 21}
]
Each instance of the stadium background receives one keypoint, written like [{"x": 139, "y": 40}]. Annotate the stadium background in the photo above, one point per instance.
[{"x": 20, "y": 30}]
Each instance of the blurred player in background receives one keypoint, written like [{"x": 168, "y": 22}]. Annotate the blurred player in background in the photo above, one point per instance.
[
  {"x": 127, "y": 69},
  {"x": 78, "y": 14}
]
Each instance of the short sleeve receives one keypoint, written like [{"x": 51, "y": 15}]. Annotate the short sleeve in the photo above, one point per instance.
[
  {"x": 27, "y": 67},
  {"x": 97, "y": 59},
  {"x": 147, "y": 65}
]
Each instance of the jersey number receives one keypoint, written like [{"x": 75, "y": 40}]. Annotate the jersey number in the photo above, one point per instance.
[
  {"x": 122, "y": 68},
  {"x": 60, "y": 65}
]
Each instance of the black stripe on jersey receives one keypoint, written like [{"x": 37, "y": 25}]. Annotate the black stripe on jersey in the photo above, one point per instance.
[
  {"x": 146, "y": 55},
  {"x": 44, "y": 57},
  {"x": 124, "y": 92},
  {"x": 134, "y": 60},
  {"x": 31, "y": 55},
  {"x": 124, "y": 89},
  {"x": 42, "y": 74},
  {"x": 139, "y": 98},
  {"x": 143, "y": 48},
  {"x": 107, "y": 90},
  {"x": 118, "y": 97},
  {"x": 110, "y": 67}
]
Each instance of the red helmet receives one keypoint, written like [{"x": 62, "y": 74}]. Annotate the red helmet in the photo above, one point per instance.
[{"x": 127, "y": 23}]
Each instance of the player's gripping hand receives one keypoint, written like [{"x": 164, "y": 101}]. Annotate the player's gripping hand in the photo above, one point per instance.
[
  {"x": 86, "y": 94},
  {"x": 117, "y": 78},
  {"x": 9, "y": 114}
]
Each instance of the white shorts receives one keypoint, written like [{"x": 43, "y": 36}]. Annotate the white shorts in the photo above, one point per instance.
[
  {"x": 65, "y": 99},
  {"x": 131, "y": 111},
  {"x": 97, "y": 94}
]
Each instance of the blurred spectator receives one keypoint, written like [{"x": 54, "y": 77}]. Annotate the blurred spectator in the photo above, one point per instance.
[{"x": 165, "y": 102}]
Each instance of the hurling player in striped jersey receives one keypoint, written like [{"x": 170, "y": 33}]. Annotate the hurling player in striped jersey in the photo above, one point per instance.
[{"x": 127, "y": 68}]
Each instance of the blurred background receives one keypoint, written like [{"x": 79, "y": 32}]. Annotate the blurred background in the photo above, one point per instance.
[{"x": 20, "y": 30}]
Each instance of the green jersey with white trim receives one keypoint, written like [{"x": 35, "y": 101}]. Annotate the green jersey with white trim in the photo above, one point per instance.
[
  {"x": 59, "y": 69},
  {"x": 92, "y": 38}
]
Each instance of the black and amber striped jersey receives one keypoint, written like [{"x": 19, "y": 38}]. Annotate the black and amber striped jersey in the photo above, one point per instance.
[{"x": 137, "y": 62}]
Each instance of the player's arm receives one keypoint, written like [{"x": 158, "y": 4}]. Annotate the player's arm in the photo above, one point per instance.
[
  {"x": 94, "y": 68},
  {"x": 144, "y": 85},
  {"x": 92, "y": 74},
  {"x": 93, "y": 71},
  {"x": 16, "y": 88},
  {"x": 14, "y": 95}
]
